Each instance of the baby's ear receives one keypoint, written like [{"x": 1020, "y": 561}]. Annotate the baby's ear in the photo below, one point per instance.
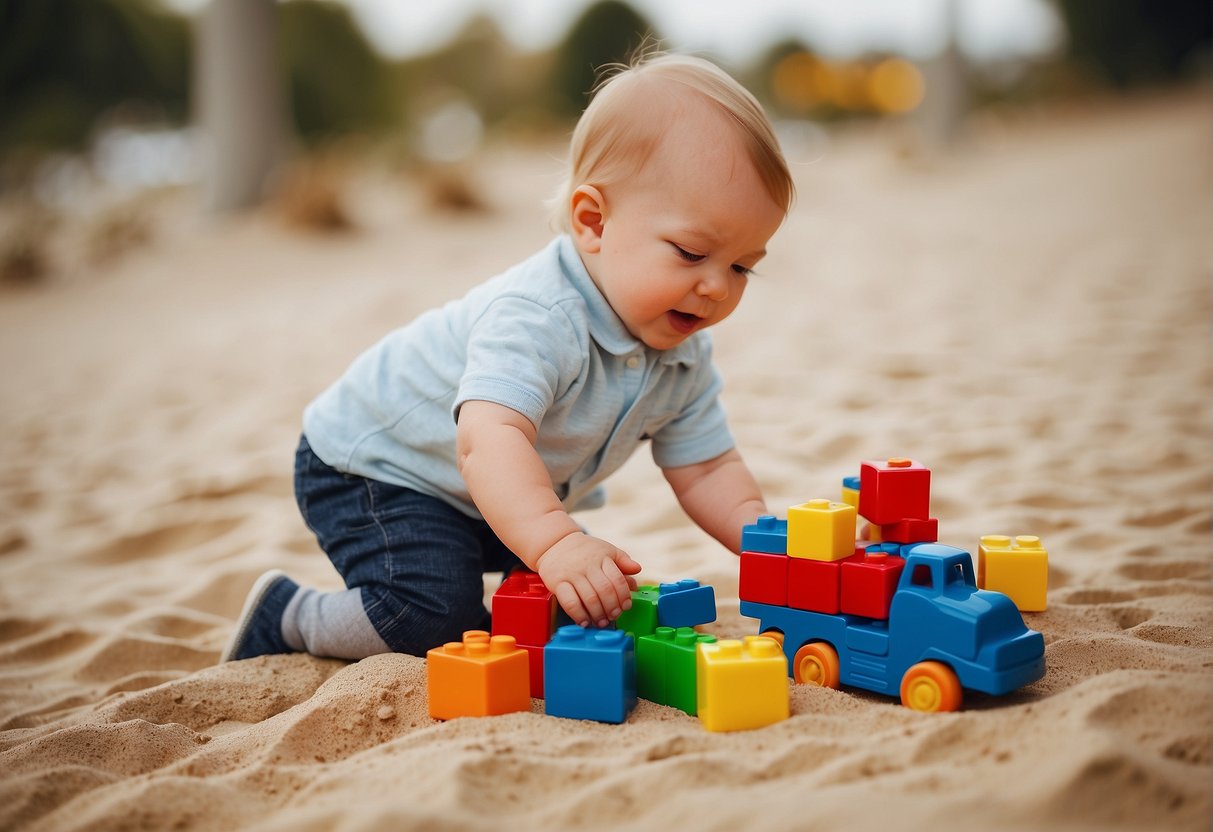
[{"x": 588, "y": 211}]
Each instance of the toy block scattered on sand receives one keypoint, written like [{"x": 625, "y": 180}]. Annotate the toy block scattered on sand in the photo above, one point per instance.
[
  {"x": 666, "y": 667},
  {"x": 481, "y": 675},
  {"x": 525, "y": 609},
  {"x": 1017, "y": 568},
  {"x": 741, "y": 684},
  {"x": 590, "y": 674}
]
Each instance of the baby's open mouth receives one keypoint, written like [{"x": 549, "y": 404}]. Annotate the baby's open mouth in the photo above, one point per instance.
[{"x": 683, "y": 321}]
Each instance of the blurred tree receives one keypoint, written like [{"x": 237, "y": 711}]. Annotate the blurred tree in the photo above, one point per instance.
[
  {"x": 477, "y": 64},
  {"x": 338, "y": 84},
  {"x": 1137, "y": 41},
  {"x": 64, "y": 63},
  {"x": 607, "y": 32}
]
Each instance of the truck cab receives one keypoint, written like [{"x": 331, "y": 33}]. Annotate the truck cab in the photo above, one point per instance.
[{"x": 943, "y": 634}]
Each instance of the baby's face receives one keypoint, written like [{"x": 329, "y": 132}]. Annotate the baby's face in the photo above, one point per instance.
[{"x": 679, "y": 239}]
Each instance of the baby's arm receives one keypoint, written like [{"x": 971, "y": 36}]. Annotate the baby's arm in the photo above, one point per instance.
[
  {"x": 720, "y": 495},
  {"x": 495, "y": 448}
]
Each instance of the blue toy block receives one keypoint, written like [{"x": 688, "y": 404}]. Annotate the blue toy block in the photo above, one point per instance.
[
  {"x": 589, "y": 674},
  {"x": 685, "y": 604},
  {"x": 768, "y": 535},
  {"x": 851, "y": 483}
]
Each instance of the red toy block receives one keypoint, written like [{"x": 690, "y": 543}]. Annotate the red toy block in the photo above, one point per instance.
[
  {"x": 525, "y": 609},
  {"x": 764, "y": 578},
  {"x": 910, "y": 531},
  {"x": 535, "y": 657},
  {"x": 895, "y": 490},
  {"x": 868, "y": 584},
  {"x": 816, "y": 585}
]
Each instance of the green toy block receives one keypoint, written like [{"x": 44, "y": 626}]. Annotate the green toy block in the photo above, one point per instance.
[
  {"x": 665, "y": 667},
  {"x": 680, "y": 688},
  {"x": 641, "y": 619},
  {"x": 651, "y": 661}
]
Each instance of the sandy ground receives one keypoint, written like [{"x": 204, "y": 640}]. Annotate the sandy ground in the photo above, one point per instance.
[{"x": 1030, "y": 317}]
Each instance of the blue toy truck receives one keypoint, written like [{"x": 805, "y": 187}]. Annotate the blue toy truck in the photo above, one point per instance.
[{"x": 943, "y": 634}]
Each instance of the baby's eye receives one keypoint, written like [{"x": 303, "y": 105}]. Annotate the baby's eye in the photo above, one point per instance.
[
  {"x": 689, "y": 256},
  {"x": 744, "y": 271}
]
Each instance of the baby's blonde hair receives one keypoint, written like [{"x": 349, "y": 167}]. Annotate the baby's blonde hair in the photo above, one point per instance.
[{"x": 619, "y": 129}]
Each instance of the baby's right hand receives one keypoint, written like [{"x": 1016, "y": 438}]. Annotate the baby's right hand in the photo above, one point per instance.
[{"x": 590, "y": 578}]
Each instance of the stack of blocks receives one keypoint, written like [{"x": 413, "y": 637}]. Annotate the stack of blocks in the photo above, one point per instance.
[
  {"x": 525, "y": 609},
  {"x": 651, "y": 652},
  {"x": 481, "y": 675},
  {"x": 812, "y": 561}
]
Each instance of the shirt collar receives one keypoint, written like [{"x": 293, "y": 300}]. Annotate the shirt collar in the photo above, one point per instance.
[{"x": 606, "y": 328}]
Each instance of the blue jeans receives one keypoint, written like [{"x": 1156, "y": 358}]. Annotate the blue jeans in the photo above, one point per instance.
[{"x": 418, "y": 561}]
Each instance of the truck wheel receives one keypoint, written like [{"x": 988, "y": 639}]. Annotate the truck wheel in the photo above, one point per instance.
[
  {"x": 775, "y": 634},
  {"x": 931, "y": 686},
  {"x": 816, "y": 663}
]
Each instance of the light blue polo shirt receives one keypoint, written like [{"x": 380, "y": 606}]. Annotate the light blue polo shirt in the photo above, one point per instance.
[{"x": 540, "y": 339}]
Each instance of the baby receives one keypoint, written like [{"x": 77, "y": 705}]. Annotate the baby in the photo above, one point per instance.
[{"x": 459, "y": 444}]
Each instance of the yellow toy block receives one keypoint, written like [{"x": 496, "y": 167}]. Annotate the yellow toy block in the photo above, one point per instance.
[
  {"x": 741, "y": 684},
  {"x": 822, "y": 530},
  {"x": 1019, "y": 569},
  {"x": 850, "y": 496},
  {"x": 479, "y": 676}
]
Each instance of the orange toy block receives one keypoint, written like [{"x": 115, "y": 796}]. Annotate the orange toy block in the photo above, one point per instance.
[
  {"x": 821, "y": 530},
  {"x": 480, "y": 676}
]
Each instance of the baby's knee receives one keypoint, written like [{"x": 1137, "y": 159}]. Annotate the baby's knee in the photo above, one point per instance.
[{"x": 417, "y": 625}]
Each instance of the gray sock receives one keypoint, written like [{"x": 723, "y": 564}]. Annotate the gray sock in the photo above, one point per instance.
[{"x": 331, "y": 624}]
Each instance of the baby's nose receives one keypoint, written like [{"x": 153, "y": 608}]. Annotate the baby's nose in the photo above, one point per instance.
[{"x": 714, "y": 286}]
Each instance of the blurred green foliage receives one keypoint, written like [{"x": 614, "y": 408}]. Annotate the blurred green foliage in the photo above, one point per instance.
[
  {"x": 338, "y": 83},
  {"x": 1128, "y": 42},
  {"x": 65, "y": 63},
  {"x": 607, "y": 32}
]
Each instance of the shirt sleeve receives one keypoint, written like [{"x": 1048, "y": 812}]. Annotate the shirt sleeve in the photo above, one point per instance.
[
  {"x": 700, "y": 431},
  {"x": 518, "y": 356}
]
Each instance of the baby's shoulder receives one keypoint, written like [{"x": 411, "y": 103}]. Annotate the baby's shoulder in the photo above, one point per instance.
[{"x": 538, "y": 282}]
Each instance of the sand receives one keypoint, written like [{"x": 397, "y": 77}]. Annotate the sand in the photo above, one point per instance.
[{"x": 1029, "y": 316}]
